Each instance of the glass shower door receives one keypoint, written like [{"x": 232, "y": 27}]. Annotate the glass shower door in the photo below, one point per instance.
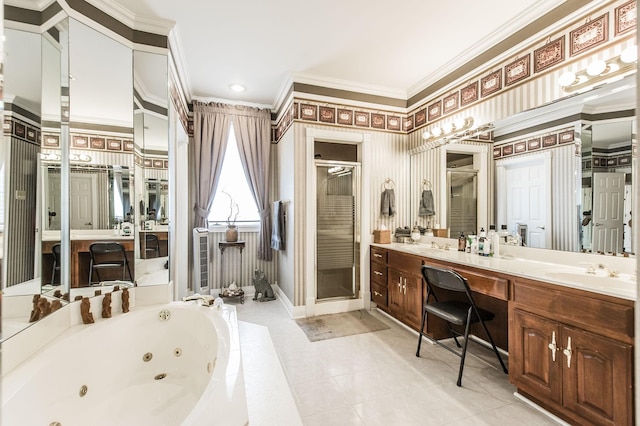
[
  {"x": 336, "y": 230},
  {"x": 463, "y": 202}
]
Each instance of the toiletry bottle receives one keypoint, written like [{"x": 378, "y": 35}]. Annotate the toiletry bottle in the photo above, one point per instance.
[
  {"x": 490, "y": 239},
  {"x": 462, "y": 242},
  {"x": 470, "y": 239},
  {"x": 482, "y": 236},
  {"x": 474, "y": 245},
  {"x": 495, "y": 244},
  {"x": 503, "y": 234}
]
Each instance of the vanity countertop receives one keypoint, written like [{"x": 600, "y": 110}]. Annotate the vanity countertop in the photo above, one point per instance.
[
  {"x": 86, "y": 235},
  {"x": 572, "y": 275}
]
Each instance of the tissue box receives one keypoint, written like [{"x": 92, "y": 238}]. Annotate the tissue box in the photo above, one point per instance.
[
  {"x": 442, "y": 232},
  {"x": 381, "y": 236}
]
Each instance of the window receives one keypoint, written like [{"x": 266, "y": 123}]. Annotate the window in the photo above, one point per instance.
[{"x": 234, "y": 183}]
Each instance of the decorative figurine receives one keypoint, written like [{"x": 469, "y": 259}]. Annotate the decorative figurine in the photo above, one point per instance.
[
  {"x": 44, "y": 306},
  {"x": 263, "y": 288},
  {"x": 35, "y": 312},
  {"x": 125, "y": 300},
  {"x": 106, "y": 306},
  {"x": 55, "y": 305},
  {"x": 85, "y": 311}
]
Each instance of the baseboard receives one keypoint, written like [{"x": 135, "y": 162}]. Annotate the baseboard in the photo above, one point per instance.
[{"x": 540, "y": 409}]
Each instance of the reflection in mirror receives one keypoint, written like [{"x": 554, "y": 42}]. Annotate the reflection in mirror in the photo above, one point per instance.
[
  {"x": 151, "y": 167},
  {"x": 581, "y": 164},
  {"x": 101, "y": 156},
  {"x": 35, "y": 78}
]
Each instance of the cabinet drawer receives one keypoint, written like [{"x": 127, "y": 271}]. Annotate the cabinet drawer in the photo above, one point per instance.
[
  {"x": 486, "y": 284},
  {"x": 379, "y": 273},
  {"x": 379, "y": 294},
  {"x": 404, "y": 262},
  {"x": 378, "y": 254},
  {"x": 579, "y": 308}
]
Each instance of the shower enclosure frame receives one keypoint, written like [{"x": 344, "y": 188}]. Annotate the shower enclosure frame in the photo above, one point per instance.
[{"x": 356, "y": 187}]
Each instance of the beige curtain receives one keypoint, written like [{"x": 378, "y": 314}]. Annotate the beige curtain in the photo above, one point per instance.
[
  {"x": 252, "y": 128},
  {"x": 211, "y": 133}
]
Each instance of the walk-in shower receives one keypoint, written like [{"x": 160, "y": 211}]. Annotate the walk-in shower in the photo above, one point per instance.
[{"x": 337, "y": 225}]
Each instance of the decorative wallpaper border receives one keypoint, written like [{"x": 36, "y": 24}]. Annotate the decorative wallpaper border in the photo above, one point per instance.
[
  {"x": 151, "y": 162},
  {"x": 22, "y": 130},
  {"x": 535, "y": 143}
]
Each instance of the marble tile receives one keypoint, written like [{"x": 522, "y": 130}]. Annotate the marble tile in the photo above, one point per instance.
[{"x": 376, "y": 378}]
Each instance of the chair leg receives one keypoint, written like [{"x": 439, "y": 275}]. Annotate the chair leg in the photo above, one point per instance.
[
  {"x": 493, "y": 345},
  {"x": 53, "y": 272},
  {"x": 464, "y": 348},
  {"x": 90, "y": 271},
  {"x": 424, "y": 316},
  {"x": 126, "y": 262}
]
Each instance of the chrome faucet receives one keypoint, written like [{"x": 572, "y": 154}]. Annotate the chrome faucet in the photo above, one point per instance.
[
  {"x": 613, "y": 273},
  {"x": 592, "y": 269}
]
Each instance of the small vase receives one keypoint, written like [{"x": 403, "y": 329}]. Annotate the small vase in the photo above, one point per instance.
[{"x": 231, "y": 234}]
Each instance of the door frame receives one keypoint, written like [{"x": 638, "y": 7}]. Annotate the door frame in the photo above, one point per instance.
[{"x": 363, "y": 299}]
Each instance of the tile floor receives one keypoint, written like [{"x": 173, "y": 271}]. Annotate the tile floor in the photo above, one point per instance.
[{"x": 376, "y": 379}]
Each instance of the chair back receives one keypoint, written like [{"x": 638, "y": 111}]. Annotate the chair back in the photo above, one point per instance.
[
  {"x": 151, "y": 238},
  {"x": 55, "y": 250},
  {"x": 106, "y": 248},
  {"x": 445, "y": 279}
]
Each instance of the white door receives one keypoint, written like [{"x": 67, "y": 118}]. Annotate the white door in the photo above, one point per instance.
[
  {"x": 527, "y": 192},
  {"x": 608, "y": 212},
  {"x": 82, "y": 188}
]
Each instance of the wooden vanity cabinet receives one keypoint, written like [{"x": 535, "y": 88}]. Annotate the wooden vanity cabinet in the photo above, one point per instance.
[
  {"x": 571, "y": 352},
  {"x": 405, "y": 288},
  {"x": 378, "y": 277}
]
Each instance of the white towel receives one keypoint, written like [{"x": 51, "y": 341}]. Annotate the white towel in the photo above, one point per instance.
[{"x": 278, "y": 232}]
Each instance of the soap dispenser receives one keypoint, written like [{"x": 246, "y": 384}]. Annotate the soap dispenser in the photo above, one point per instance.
[
  {"x": 462, "y": 242},
  {"x": 415, "y": 233}
]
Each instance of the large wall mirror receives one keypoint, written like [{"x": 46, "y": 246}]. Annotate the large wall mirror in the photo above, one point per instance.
[
  {"x": 151, "y": 166},
  {"x": 85, "y": 151},
  {"x": 576, "y": 194}
]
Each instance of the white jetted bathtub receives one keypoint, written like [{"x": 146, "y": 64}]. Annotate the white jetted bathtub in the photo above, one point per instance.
[{"x": 174, "y": 364}]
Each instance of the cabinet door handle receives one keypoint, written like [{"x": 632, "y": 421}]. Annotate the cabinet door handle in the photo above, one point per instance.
[
  {"x": 568, "y": 352},
  {"x": 404, "y": 287},
  {"x": 375, "y": 293},
  {"x": 400, "y": 285},
  {"x": 553, "y": 347},
  {"x": 377, "y": 255},
  {"x": 377, "y": 272}
]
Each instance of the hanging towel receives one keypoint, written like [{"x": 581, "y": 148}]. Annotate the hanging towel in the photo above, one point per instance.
[
  {"x": 427, "y": 207},
  {"x": 388, "y": 203},
  {"x": 278, "y": 232}
]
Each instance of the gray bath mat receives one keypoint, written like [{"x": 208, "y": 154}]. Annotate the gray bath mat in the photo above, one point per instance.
[{"x": 325, "y": 327}]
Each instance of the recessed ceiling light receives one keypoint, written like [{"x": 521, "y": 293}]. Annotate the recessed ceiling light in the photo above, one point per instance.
[{"x": 237, "y": 87}]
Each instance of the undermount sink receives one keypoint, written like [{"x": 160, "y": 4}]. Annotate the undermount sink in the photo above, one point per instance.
[{"x": 598, "y": 279}]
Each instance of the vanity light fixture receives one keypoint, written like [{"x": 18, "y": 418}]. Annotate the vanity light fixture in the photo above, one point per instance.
[
  {"x": 600, "y": 70},
  {"x": 238, "y": 88},
  {"x": 449, "y": 131}
]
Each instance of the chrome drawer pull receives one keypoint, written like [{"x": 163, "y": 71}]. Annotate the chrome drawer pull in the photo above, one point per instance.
[
  {"x": 377, "y": 272},
  {"x": 375, "y": 293},
  {"x": 553, "y": 346},
  {"x": 377, "y": 255},
  {"x": 568, "y": 352}
]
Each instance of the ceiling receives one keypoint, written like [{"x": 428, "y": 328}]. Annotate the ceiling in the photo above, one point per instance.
[{"x": 394, "y": 49}]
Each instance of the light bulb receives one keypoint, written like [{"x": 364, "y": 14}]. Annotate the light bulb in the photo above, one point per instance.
[
  {"x": 459, "y": 123},
  {"x": 447, "y": 128},
  {"x": 426, "y": 135},
  {"x": 436, "y": 131},
  {"x": 596, "y": 67},
  {"x": 629, "y": 55},
  {"x": 567, "y": 79}
]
